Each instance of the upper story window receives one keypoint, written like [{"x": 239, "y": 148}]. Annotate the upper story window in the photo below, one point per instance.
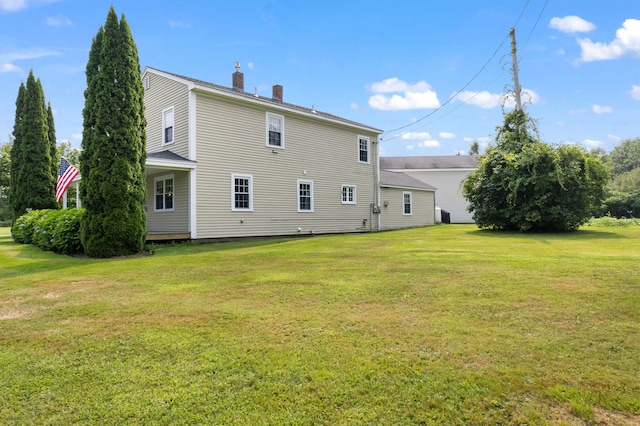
[
  {"x": 305, "y": 195},
  {"x": 363, "y": 149},
  {"x": 275, "y": 130},
  {"x": 348, "y": 194},
  {"x": 406, "y": 203},
  {"x": 163, "y": 200},
  {"x": 242, "y": 192},
  {"x": 167, "y": 126}
]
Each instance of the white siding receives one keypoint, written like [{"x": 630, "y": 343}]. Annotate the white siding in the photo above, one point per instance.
[
  {"x": 161, "y": 94},
  {"x": 448, "y": 191},
  {"x": 231, "y": 139},
  {"x": 176, "y": 221},
  {"x": 392, "y": 208}
]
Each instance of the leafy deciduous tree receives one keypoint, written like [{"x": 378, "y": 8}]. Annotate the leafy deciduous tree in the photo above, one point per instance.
[
  {"x": 625, "y": 156},
  {"x": 5, "y": 180},
  {"x": 526, "y": 185},
  {"x": 112, "y": 160}
]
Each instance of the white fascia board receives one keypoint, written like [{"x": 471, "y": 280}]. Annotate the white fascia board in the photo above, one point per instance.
[
  {"x": 161, "y": 163},
  {"x": 432, "y": 170},
  {"x": 407, "y": 188}
]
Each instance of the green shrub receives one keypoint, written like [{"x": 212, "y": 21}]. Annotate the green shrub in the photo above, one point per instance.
[
  {"x": 22, "y": 229},
  {"x": 622, "y": 204},
  {"x": 56, "y": 230},
  {"x": 66, "y": 237},
  {"x": 613, "y": 221}
]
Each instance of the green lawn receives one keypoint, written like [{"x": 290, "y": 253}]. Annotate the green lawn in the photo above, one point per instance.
[{"x": 441, "y": 325}]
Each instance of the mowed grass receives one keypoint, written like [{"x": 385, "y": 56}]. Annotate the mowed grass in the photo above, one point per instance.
[{"x": 440, "y": 325}]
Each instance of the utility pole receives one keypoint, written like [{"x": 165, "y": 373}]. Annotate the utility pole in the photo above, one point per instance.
[{"x": 516, "y": 83}]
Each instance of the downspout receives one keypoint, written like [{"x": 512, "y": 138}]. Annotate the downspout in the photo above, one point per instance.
[{"x": 379, "y": 224}]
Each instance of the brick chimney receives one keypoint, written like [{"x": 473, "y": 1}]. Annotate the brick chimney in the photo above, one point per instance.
[
  {"x": 277, "y": 93},
  {"x": 238, "y": 79}
]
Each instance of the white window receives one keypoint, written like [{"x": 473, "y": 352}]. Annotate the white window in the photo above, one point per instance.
[
  {"x": 167, "y": 126},
  {"x": 363, "y": 149},
  {"x": 348, "y": 194},
  {"x": 406, "y": 203},
  {"x": 164, "y": 197},
  {"x": 305, "y": 195},
  {"x": 275, "y": 131},
  {"x": 241, "y": 192}
]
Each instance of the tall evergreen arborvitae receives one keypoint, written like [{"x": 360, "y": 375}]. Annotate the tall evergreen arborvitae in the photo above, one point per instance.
[
  {"x": 53, "y": 146},
  {"x": 113, "y": 140},
  {"x": 33, "y": 185},
  {"x": 17, "y": 156}
]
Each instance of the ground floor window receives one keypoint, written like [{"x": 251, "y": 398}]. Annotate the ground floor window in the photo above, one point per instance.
[
  {"x": 242, "y": 192},
  {"x": 406, "y": 196},
  {"x": 348, "y": 194},
  {"x": 305, "y": 196},
  {"x": 163, "y": 193}
]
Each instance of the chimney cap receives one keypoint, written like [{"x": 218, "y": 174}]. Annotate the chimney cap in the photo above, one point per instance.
[{"x": 237, "y": 65}]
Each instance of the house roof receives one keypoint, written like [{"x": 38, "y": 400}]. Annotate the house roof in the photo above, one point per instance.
[
  {"x": 167, "y": 160},
  {"x": 167, "y": 155},
  {"x": 401, "y": 180},
  {"x": 429, "y": 162},
  {"x": 312, "y": 112}
]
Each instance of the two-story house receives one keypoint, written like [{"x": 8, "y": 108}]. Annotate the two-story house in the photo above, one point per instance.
[{"x": 222, "y": 162}]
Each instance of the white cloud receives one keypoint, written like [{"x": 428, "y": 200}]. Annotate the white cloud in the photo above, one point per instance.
[
  {"x": 12, "y": 5},
  {"x": 354, "y": 105},
  {"x": 7, "y": 59},
  {"x": 32, "y": 53},
  {"x": 415, "y": 135},
  {"x": 591, "y": 143},
  {"x": 627, "y": 41},
  {"x": 59, "y": 21},
  {"x": 424, "y": 137},
  {"x": 635, "y": 92},
  {"x": 431, "y": 143},
  {"x": 571, "y": 24},
  {"x": 412, "y": 96},
  {"x": 482, "y": 99},
  {"x": 489, "y": 100},
  {"x": 9, "y": 68},
  {"x": 447, "y": 135},
  {"x": 251, "y": 65},
  {"x": 601, "y": 109},
  {"x": 77, "y": 136},
  {"x": 576, "y": 111},
  {"x": 614, "y": 137}
]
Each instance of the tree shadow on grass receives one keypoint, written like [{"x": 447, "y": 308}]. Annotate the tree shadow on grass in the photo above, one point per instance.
[{"x": 580, "y": 234}]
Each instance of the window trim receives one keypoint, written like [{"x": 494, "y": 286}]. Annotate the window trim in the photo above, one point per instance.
[
  {"x": 164, "y": 125},
  {"x": 353, "y": 193},
  {"x": 235, "y": 176},
  {"x": 281, "y": 118},
  {"x": 311, "y": 203},
  {"x": 404, "y": 204},
  {"x": 368, "y": 140},
  {"x": 164, "y": 179}
]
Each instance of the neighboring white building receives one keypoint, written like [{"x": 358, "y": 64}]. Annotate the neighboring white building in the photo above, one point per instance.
[{"x": 445, "y": 173}]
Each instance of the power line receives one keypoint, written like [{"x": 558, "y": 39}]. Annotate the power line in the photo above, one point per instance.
[{"x": 468, "y": 83}]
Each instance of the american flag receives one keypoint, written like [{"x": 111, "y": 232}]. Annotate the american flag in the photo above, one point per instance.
[{"x": 66, "y": 174}]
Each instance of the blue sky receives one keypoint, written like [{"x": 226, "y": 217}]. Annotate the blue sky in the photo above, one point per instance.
[{"x": 394, "y": 65}]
